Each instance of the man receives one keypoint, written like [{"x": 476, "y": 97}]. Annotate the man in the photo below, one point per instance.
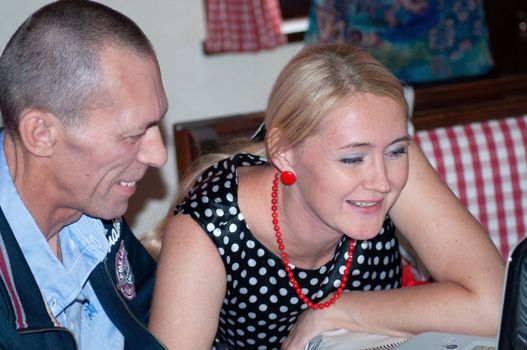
[{"x": 81, "y": 98}]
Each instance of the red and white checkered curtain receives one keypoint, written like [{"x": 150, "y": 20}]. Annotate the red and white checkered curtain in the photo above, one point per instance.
[
  {"x": 485, "y": 165},
  {"x": 243, "y": 25}
]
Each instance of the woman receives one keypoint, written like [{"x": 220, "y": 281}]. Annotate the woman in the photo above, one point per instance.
[{"x": 267, "y": 252}]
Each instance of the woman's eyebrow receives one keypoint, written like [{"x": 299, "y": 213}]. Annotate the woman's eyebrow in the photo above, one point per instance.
[{"x": 405, "y": 138}]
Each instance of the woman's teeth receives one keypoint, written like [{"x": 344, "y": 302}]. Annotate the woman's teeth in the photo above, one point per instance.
[{"x": 362, "y": 204}]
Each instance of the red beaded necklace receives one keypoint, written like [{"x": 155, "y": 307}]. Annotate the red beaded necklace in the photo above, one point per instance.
[{"x": 292, "y": 280}]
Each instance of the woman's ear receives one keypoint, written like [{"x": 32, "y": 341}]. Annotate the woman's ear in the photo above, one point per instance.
[
  {"x": 280, "y": 152},
  {"x": 38, "y": 132}
]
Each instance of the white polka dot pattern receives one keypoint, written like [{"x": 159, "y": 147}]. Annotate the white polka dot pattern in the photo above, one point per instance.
[{"x": 260, "y": 306}]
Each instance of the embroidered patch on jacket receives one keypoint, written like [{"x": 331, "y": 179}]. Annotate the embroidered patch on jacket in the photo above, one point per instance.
[
  {"x": 124, "y": 274},
  {"x": 115, "y": 234}
]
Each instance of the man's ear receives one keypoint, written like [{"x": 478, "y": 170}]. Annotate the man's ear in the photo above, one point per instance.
[
  {"x": 281, "y": 154},
  {"x": 39, "y": 131}
]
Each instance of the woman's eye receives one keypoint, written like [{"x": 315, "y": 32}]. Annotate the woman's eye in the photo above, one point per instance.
[
  {"x": 352, "y": 160},
  {"x": 397, "y": 153}
]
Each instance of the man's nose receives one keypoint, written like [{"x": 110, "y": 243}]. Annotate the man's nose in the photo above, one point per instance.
[{"x": 152, "y": 150}]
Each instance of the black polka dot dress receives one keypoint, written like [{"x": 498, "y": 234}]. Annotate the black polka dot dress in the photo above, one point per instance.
[{"x": 260, "y": 306}]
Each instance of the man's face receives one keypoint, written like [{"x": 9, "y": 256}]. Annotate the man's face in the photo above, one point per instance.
[{"x": 101, "y": 161}]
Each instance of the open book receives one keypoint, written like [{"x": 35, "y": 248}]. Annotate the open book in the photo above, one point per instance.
[{"x": 342, "y": 339}]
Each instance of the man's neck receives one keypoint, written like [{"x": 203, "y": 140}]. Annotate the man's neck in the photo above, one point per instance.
[{"x": 41, "y": 201}]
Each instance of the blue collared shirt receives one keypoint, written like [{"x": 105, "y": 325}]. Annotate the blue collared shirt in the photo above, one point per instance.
[{"x": 65, "y": 287}]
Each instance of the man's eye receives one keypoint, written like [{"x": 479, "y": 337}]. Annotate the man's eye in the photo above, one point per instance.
[{"x": 135, "y": 138}]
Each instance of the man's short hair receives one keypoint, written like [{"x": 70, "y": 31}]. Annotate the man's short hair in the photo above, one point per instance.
[{"x": 52, "y": 61}]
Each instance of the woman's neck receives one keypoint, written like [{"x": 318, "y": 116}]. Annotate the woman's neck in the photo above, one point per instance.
[{"x": 309, "y": 243}]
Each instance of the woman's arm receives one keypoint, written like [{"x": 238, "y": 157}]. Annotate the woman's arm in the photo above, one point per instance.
[
  {"x": 189, "y": 289},
  {"x": 455, "y": 249}
]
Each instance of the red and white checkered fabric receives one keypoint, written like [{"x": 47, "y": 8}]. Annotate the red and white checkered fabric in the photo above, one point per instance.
[
  {"x": 485, "y": 165},
  {"x": 243, "y": 25}
]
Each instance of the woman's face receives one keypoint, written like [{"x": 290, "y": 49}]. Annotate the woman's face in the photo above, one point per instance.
[{"x": 352, "y": 171}]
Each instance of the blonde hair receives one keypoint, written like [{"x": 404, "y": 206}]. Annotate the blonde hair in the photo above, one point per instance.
[
  {"x": 310, "y": 85},
  {"x": 316, "y": 80}
]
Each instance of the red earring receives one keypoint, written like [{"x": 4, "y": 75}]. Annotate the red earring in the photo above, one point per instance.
[{"x": 288, "y": 177}]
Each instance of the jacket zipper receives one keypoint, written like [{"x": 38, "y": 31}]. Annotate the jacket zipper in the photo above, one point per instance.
[
  {"x": 53, "y": 329},
  {"x": 126, "y": 306}
]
